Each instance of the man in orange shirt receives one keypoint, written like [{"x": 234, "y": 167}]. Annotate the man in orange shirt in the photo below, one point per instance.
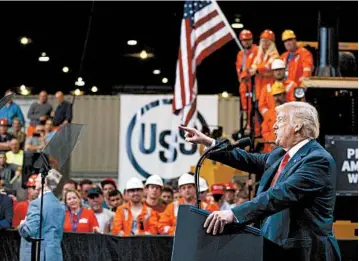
[
  {"x": 244, "y": 62},
  {"x": 266, "y": 101},
  {"x": 20, "y": 209},
  {"x": 298, "y": 60},
  {"x": 279, "y": 96},
  {"x": 168, "y": 218},
  {"x": 133, "y": 217},
  {"x": 154, "y": 185}
]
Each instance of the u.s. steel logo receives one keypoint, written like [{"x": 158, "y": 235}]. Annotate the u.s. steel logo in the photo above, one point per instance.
[{"x": 157, "y": 146}]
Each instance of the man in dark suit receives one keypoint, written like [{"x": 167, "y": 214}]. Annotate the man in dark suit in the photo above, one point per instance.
[
  {"x": 296, "y": 195},
  {"x": 6, "y": 211}
]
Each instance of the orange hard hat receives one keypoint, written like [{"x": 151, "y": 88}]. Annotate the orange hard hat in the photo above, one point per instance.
[
  {"x": 245, "y": 35},
  {"x": 3, "y": 122},
  {"x": 268, "y": 34},
  {"x": 31, "y": 182}
]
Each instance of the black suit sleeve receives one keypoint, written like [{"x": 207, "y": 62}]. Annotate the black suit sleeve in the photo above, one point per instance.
[
  {"x": 8, "y": 208},
  {"x": 69, "y": 113},
  {"x": 311, "y": 178},
  {"x": 242, "y": 160}
]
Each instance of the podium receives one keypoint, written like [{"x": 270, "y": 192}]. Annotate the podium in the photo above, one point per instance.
[{"x": 192, "y": 243}]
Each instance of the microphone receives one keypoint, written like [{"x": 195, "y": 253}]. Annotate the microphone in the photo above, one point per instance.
[{"x": 241, "y": 143}]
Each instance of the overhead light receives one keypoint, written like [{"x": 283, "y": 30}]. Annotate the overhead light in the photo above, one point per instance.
[
  {"x": 94, "y": 89},
  {"x": 164, "y": 80},
  {"x": 24, "y": 90},
  {"x": 143, "y": 55},
  {"x": 79, "y": 82},
  {"x": 225, "y": 94},
  {"x": 237, "y": 25},
  {"x": 156, "y": 71},
  {"x": 24, "y": 40},
  {"x": 78, "y": 92},
  {"x": 44, "y": 58},
  {"x": 65, "y": 69},
  {"x": 131, "y": 42}
]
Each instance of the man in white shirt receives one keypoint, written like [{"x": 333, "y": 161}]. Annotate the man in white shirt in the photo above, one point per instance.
[
  {"x": 104, "y": 216},
  {"x": 296, "y": 195}
]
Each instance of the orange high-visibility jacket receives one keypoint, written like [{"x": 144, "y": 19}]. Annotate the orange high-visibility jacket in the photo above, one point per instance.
[
  {"x": 267, "y": 130},
  {"x": 300, "y": 66},
  {"x": 266, "y": 100},
  {"x": 147, "y": 221},
  {"x": 242, "y": 67},
  {"x": 168, "y": 218},
  {"x": 264, "y": 73}
]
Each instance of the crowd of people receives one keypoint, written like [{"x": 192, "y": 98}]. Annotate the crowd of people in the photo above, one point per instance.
[
  {"x": 275, "y": 79},
  {"x": 14, "y": 142},
  {"x": 145, "y": 208}
]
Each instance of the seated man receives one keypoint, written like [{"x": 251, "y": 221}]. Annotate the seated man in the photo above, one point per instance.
[
  {"x": 15, "y": 155},
  {"x": 5, "y": 136},
  {"x": 17, "y": 132},
  {"x": 37, "y": 142}
]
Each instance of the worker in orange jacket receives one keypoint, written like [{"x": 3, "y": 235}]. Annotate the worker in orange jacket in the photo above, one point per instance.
[
  {"x": 134, "y": 217},
  {"x": 261, "y": 66},
  {"x": 168, "y": 218},
  {"x": 244, "y": 62},
  {"x": 298, "y": 60},
  {"x": 279, "y": 95},
  {"x": 261, "y": 69},
  {"x": 266, "y": 100}
]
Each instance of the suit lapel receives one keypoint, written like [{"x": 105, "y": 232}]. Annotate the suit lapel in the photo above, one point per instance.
[{"x": 302, "y": 152}]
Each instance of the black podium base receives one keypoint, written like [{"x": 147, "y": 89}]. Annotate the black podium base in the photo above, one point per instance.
[{"x": 192, "y": 243}]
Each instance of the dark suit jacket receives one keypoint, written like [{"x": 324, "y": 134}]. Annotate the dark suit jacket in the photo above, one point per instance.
[
  {"x": 6, "y": 211},
  {"x": 298, "y": 210}
]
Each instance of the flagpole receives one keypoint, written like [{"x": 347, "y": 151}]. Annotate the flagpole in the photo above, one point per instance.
[{"x": 227, "y": 24}]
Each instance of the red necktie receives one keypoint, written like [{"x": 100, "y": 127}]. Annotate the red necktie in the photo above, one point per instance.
[{"x": 281, "y": 167}]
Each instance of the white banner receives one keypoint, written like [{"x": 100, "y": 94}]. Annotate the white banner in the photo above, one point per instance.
[{"x": 148, "y": 134}]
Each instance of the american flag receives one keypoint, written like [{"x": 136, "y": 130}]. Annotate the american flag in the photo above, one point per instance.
[{"x": 204, "y": 29}]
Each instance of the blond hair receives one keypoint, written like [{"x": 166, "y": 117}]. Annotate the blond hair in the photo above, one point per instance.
[
  {"x": 304, "y": 114},
  {"x": 72, "y": 191}
]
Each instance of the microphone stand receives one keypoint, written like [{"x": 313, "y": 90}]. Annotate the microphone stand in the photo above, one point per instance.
[
  {"x": 252, "y": 127},
  {"x": 198, "y": 168},
  {"x": 36, "y": 242}
]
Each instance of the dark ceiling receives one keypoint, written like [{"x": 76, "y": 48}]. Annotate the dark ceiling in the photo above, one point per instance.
[{"x": 60, "y": 29}]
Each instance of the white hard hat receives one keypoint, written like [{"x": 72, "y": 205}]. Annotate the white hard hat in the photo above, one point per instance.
[
  {"x": 186, "y": 179},
  {"x": 278, "y": 64},
  {"x": 154, "y": 180},
  {"x": 203, "y": 186},
  {"x": 134, "y": 183}
]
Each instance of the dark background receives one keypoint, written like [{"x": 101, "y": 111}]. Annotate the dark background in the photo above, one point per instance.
[{"x": 60, "y": 28}]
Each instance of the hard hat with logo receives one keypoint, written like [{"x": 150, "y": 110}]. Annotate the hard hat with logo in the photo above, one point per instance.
[
  {"x": 154, "y": 180},
  {"x": 278, "y": 88},
  {"x": 218, "y": 189},
  {"x": 229, "y": 186},
  {"x": 288, "y": 34},
  {"x": 278, "y": 64},
  {"x": 268, "y": 34},
  {"x": 134, "y": 183},
  {"x": 3, "y": 122},
  {"x": 203, "y": 186},
  {"x": 186, "y": 178},
  {"x": 31, "y": 182},
  {"x": 245, "y": 35}
]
